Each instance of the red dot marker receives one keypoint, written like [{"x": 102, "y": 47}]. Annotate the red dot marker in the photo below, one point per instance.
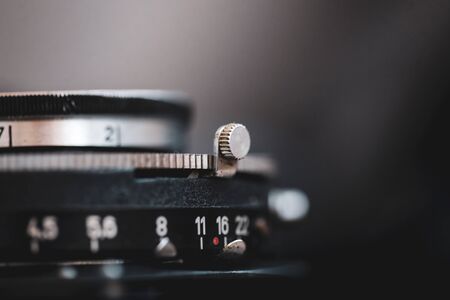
[{"x": 216, "y": 241}]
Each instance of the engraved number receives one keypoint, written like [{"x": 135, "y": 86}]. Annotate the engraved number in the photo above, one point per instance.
[
  {"x": 222, "y": 225},
  {"x": 161, "y": 226},
  {"x": 99, "y": 229},
  {"x": 201, "y": 225},
  {"x": 109, "y": 134},
  {"x": 6, "y": 136},
  {"x": 242, "y": 224},
  {"x": 48, "y": 231}
]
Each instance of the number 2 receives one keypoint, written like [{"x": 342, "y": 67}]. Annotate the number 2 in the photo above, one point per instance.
[{"x": 109, "y": 137}]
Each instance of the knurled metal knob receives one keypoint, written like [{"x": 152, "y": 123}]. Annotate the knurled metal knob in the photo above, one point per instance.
[{"x": 234, "y": 141}]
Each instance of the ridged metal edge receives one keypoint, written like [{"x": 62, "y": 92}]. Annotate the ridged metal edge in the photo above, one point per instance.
[{"x": 104, "y": 161}]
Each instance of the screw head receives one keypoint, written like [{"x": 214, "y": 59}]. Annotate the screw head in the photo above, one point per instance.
[{"x": 234, "y": 141}]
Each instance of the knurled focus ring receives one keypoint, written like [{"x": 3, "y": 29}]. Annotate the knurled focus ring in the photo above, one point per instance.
[{"x": 95, "y": 102}]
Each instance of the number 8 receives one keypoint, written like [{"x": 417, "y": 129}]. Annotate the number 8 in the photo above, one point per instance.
[{"x": 161, "y": 226}]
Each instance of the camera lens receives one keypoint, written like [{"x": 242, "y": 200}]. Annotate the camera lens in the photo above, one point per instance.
[{"x": 92, "y": 180}]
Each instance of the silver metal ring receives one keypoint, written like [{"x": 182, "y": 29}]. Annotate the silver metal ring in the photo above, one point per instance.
[{"x": 98, "y": 131}]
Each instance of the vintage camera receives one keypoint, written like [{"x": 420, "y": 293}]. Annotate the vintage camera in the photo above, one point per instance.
[{"x": 97, "y": 198}]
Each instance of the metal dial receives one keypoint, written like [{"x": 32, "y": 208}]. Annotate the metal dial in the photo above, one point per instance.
[{"x": 234, "y": 141}]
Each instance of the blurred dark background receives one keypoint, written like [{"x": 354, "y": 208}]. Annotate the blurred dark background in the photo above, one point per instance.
[{"x": 351, "y": 97}]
